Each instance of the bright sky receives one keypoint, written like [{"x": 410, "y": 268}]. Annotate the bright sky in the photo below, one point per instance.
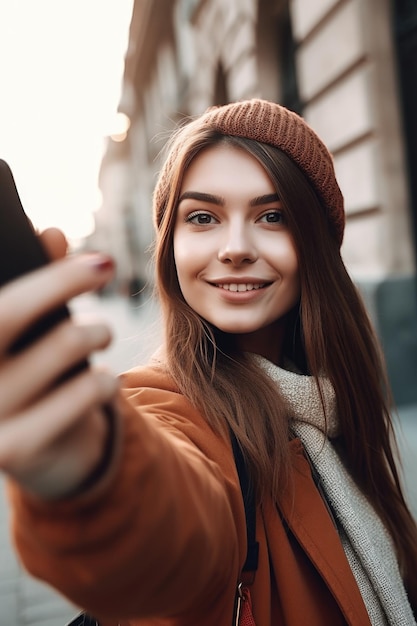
[{"x": 61, "y": 65}]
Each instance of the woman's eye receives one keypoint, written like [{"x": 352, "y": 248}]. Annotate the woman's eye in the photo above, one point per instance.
[
  {"x": 272, "y": 217},
  {"x": 201, "y": 219}
]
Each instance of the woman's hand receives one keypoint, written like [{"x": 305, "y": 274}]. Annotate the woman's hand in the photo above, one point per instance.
[{"x": 52, "y": 436}]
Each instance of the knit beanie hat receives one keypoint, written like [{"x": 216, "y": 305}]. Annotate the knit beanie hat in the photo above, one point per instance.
[{"x": 272, "y": 124}]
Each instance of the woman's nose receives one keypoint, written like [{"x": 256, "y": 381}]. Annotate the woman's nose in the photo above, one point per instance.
[{"x": 236, "y": 246}]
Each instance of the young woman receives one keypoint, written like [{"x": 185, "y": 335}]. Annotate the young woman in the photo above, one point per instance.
[{"x": 135, "y": 512}]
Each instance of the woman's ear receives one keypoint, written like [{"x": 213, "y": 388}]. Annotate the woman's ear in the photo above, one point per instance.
[{"x": 54, "y": 242}]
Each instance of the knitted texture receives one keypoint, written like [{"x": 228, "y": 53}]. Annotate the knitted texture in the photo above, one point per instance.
[
  {"x": 366, "y": 542},
  {"x": 272, "y": 124}
]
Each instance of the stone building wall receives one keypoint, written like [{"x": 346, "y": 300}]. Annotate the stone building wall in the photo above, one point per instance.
[{"x": 348, "y": 85}]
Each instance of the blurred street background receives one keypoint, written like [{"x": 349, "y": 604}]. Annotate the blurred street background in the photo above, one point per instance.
[{"x": 90, "y": 91}]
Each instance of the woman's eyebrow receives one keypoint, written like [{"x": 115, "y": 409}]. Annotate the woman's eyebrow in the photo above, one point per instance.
[
  {"x": 266, "y": 199},
  {"x": 204, "y": 197}
]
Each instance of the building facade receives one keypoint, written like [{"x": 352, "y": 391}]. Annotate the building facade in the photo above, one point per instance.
[{"x": 347, "y": 66}]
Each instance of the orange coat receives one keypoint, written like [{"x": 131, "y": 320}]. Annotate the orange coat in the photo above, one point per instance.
[{"x": 162, "y": 541}]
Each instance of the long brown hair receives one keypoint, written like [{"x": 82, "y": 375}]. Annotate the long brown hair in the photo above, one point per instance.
[{"x": 328, "y": 332}]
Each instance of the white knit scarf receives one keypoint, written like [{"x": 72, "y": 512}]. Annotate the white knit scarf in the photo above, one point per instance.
[{"x": 366, "y": 542}]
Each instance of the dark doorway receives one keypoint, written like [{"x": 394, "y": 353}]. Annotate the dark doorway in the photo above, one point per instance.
[
  {"x": 290, "y": 93},
  {"x": 405, "y": 35},
  {"x": 276, "y": 54},
  {"x": 221, "y": 95}
]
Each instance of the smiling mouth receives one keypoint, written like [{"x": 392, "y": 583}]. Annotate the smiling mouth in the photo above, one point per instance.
[{"x": 241, "y": 286}]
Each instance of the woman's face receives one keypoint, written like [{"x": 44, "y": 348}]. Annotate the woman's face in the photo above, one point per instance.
[{"x": 235, "y": 258}]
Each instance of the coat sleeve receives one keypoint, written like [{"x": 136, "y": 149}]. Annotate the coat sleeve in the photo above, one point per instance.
[{"x": 161, "y": 537}]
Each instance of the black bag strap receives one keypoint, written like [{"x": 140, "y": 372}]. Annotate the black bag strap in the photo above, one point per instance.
[
  {"x": 83, "y": 620},
  {"x": 249, "y": 501}
]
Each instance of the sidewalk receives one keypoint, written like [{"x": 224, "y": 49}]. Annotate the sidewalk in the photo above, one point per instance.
[{"x": 23, "y": 600}]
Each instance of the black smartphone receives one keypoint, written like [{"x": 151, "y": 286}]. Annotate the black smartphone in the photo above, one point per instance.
[{"x": 21, "y": 252}]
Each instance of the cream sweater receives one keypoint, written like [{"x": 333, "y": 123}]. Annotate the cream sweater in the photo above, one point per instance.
[{"x": 366, "y": 542}]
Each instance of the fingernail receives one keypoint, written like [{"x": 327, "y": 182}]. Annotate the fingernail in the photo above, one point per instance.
[{"x": 101, "y": 262}]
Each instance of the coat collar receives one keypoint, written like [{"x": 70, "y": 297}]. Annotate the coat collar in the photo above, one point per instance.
[{"x": 306, "y": 515}]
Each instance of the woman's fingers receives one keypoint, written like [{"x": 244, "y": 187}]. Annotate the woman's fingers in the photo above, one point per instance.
[
  {"x": 27, "y": 299},
  {"x": 69, "y": 344},
  {"x": 31, "y": 439},
  {"x": 52, "y": 429}
]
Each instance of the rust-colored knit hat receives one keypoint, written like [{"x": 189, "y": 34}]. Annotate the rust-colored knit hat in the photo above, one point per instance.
[{"x": 272, "y": 124}]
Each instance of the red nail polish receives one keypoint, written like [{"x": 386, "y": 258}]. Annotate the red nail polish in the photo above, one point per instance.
[{"x": 102, "y": 263}]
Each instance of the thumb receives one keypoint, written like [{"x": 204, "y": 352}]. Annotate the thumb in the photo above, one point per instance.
[{"x": 54, "y": 242}]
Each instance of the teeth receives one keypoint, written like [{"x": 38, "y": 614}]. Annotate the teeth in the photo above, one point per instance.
[{"x": 240, "y": 286}]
